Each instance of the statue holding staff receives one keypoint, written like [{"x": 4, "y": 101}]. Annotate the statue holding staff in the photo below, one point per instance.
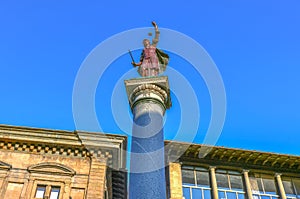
[{"x": 152, "y": 61}]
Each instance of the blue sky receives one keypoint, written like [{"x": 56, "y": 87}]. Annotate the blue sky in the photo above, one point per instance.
[{"x": 254, "y": 44}]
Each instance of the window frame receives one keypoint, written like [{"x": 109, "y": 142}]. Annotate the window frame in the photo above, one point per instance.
[
  {"x": 48, "y": 185},
  {"x": 225, "y": 190},
  {"x": 261, "y": 193},
  {"x": 196, "y": 186},
  {"x": 291, "y": 179}
]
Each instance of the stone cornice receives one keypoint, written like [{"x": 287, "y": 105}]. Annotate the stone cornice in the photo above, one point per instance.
[
  {"x": 222, "y": 156},
  {"x": 52, "y": 167},
  {"x": 113, "y": 146},
  {"x": 65, "y": 143},
  {"x": 17, "y": 133}
]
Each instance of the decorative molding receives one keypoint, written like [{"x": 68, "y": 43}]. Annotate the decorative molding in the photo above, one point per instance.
[
  {"x": 154, "y": 88},
  {"x": 236, "y": 158},
  {"x": 51, "y": 167},
  {"x": 107, "y": 147},
  {"x": 4, "y": 166},
  {"x": 48, "y": 148}
]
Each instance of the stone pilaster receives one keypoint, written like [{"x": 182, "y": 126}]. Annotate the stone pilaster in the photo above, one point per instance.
[
  {"x": 96, "y": 179},
  {"x": 175, "y": 180},
  {"x": 24, "y": 189}
]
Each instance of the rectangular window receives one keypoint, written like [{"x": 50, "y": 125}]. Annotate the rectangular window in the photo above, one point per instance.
[
  {"x": 195, "y": 183},
  {"x": 288, "y": 187},
  {"x": 54, "y": 194},
  {"x": 291, "y": 187},
  {"x": 230, "y": 185},
  {"x": 296, "y": 183},
  {"x": 269, "y": 186},
  {"x": 47, "y": 191},
  {"x": 222, "y": 181},
  {"x": 236, "y": 182},
  {"x": 263, "y": 186},
  {"x": 202, "y": 178},
  {"x": 40, "y": 191},
  {"x": 188, "y": 177}
]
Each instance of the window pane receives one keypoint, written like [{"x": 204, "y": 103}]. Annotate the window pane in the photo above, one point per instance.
[
  {"x": 221, "y": 195},
  {"x": 254, "y": 184},
  {"x": 207, "y": 194},
  {"x": 40, "y": 191},
  {"x": 269, "y": 185},
  {"x": 222, "y": 171},
  {"x": 231, "y": 195},
  {"x": 265, "y": 197},
  {"x": 188, "y": 177},
  {"x": 234, "y": 172},
  {"x": 236, "y": 182},
  {"x": 260, "y": 185},
  {"x": 54, "y": 192},
  {"x": 288, "y": 187},
  {"x": 291, "y": 196},
  {"x": 186, "y": 193},
  {"x": 222, "y": 180},
  {"x": 200, "y": 169},
  {"x": 197, "y": 193},
  {"x": 242, "y": 196},
  {"x": 297, "y": 186},
  {"x": 255, "y": 197},
  {"x": 202, "y": 178}
]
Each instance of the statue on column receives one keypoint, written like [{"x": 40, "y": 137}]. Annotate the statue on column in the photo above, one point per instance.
[{"x": 152, "y": 61}]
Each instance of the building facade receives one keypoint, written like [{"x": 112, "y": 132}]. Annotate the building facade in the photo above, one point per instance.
[
  {"x": 55, "y": 164},
  {"x": 225, "y": 173}
]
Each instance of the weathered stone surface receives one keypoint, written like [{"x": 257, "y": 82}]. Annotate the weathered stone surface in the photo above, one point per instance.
[
  {"x": 31, "y": 157},
  {"x": 175, "y": 180}
]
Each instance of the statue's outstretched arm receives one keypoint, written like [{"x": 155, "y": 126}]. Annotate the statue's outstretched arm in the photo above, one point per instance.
[
  {"x": 156, "y": 38},
  {"x": 136, "y": 64}
]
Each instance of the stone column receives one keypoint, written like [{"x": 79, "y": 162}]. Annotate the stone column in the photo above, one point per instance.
[
  {"x": 280, "y": 186},
  {"x": 148, "y": 98},
  {"x": 213, "y": 180},
  {"x": 247, "y": 184}
]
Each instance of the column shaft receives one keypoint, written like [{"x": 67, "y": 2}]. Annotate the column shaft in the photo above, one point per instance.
[
  {"x": 147, "y": 170},
  {"x": 280, "y": 186},
  {"x": 213, "y": 180},
  {"x": 247, "y": 184}
]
